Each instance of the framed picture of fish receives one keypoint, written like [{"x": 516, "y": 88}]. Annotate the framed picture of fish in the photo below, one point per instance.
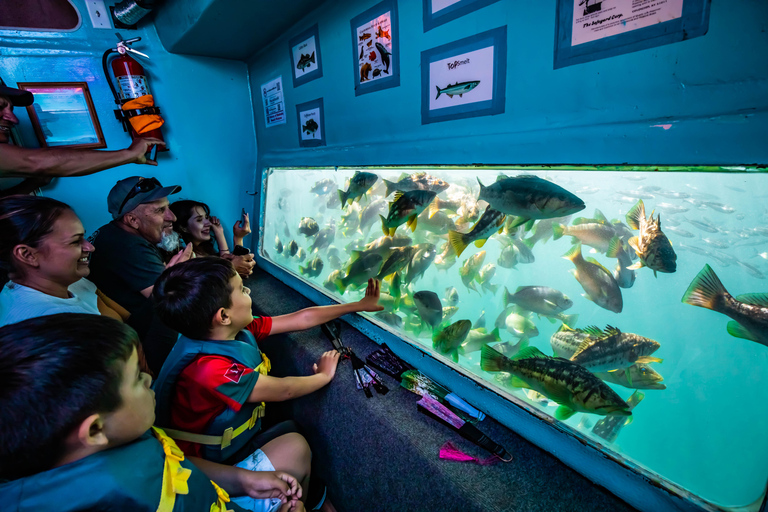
[
  {"x": 465, "y": 78},
  {"x": 375, "y": 48},
  {"x": 437, "y": 12},
  {"x": 311, "y": 117},
  {"x": 305, "y": 56},
  {"x": 588, "y": 30}
]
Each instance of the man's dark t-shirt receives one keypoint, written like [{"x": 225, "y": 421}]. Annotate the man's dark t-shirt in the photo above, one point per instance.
[{"x": 122, "y": 265}]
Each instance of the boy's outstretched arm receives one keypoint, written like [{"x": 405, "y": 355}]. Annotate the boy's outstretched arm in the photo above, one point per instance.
[
  {"x": 256, "y": 484},
  {"x": 318, "y": 315},
  {"x": 277, "y": 389}
]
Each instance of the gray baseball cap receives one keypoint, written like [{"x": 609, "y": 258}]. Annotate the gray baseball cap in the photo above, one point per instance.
[{"x": 129, "y": 193}]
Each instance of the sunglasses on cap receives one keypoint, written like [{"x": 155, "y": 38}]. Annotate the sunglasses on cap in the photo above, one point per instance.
[{"x": 143, "y": 185}]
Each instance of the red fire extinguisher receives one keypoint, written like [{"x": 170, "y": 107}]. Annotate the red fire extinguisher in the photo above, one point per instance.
[{"x": 138, "y": 113}]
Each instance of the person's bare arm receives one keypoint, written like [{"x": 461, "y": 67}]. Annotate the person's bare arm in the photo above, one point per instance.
[
  {"x": 60, "y": 162},
  {"x": 317, "y": 315},
  {"x": 108, "y": 307},
  {"x": 256, "y": 484},
  {"x": 277, "y": 389}
]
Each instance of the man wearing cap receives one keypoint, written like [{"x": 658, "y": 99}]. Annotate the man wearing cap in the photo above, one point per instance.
[
  {"x": 127, "y": 261},
  {"x": 56, "y": 162}
]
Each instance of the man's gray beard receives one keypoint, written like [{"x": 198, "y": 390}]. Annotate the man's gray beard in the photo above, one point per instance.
[{"x": 170, "y": 242}]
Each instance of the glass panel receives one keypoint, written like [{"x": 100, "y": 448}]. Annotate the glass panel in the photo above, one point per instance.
[{"x": 702, "y": 428}]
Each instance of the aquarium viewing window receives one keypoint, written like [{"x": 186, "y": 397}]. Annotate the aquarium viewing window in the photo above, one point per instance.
[{"x": 592, "y": 296}]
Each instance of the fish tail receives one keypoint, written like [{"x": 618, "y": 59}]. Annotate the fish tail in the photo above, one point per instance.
[
  {"x": 705, "y": 291},
  {"x": 457, "y": 241},
  {"x": 569, "y": 320},
  {"x": 303, "y": 270},
  {"x": 384, "y": 227},
  {"x": 491, "y": 360},
  {"x": 508, "y": 298},
  {"x": 312, "y": 57},
  {"x": 340, "y": 286},
  {"x": 495, "y": 334},
  {"x": 482, "y": 189},
  {"x": 342, "y": 198},
  {"x": 433, "y": 208},
  {"x": 558, "y": 231},
  {"x": 390, "y": 187},
  {"x": 636, "y": 213},
  {"x": 614, "y": 247},
  {"x": 438, "y": 92},
  {"x": 574, "y": 254}
]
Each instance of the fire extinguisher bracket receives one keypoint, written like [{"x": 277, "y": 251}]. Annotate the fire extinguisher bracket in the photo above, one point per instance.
[{"x": 124, "y": 115}]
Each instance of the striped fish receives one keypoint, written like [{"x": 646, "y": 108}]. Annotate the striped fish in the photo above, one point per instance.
[
  {"x": 491, "y": 222},
  {"x": 612, "y": 349},
  {"x": 575, "y": 388}
]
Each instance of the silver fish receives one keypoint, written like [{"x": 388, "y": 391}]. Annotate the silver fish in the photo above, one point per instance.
[{"x": 530, "y": 197}]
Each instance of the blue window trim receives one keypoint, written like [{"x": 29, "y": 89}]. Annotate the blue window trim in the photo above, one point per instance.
[
  {"x": 314, "y": 74},
  {"x": 303, "y": 107},
  {"x": 393, "y": 80},
  {"x": 496, "y": 38},
  {"x": 451, "y": 12},
  {"x": 694, "y": 22}
]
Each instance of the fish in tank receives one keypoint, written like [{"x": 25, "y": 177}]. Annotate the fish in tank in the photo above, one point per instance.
[{"x": 561, "y": 288}]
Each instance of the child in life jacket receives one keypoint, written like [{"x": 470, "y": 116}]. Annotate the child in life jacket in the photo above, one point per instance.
[
  {"x": 212, "y": 389},
  {"x": 76, "y": 415}
]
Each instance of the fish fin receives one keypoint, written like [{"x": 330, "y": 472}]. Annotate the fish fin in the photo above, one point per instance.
[
  {"x": 354, "y": 256},
  {"x": 648, "y": 359},
  {"x": 384, "y": 227},
  {"x": 528, "y": 353},
  {"x": 340, "y": 286},
  {"x": 552, "y": 320},
  {"x": 480, "y": 242},
  {"x": 595, "y": 262},
  {"x": 495, "y": 334},
  {"x": 636, "y": 266},
  {"x": 411, "y": 223},
  {"x": 628, "y": 373},
  {"x": 558, "y": 231},
  {"x": 614, "y": 247},
  {"x": 390, "y": 187},
  {"x": 569, "y": 319},
  {"x": 582, "y": 347},
  {"x": 634, "y": 243},
  {"x": 398, "y": 195},
  {"x": 342, "y": 198},
  {"x": 574, "y": 253},
  {"x": 438, "y": 92},
  {"x": 455, "y": 356},
  {"x": 755, "y": 299},
  {"x": 457, "y": 241},
  {"x": 529, "y": 225},
  {"x": 564, "y": 412},
  {"x": 599, "y": 216},
  {"x": 433, "y": 209},
  {"x": 507, "y": 300},
  {"x": 705, "y": 290},
  {"x": 636, "y": 213},
  {"x": 491, "y": 360},
  {"x": 517, "y": 221},
  {"x": 303, "y": 270},
  {"x": 592, "y": 331},
  {"x": 737, "y": 330}
]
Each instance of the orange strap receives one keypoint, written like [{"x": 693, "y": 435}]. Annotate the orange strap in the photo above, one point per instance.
[{"x": 143, "y": 124}]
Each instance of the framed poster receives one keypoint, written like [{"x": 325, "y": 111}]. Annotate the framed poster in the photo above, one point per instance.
[
  {"x": 437, "y": 12},
  {"x": 375, "y": 49},
  {"x": 588, "y": 30},
  {"x": 273, "y": 100},
  {"x": 305, "y": 57},
  {"x": 311, "y": 119},
  {"x": 63, "y": 115},
  {"x": 466, "y": 78}
]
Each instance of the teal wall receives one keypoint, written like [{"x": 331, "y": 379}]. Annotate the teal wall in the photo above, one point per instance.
[
  {"x": 205, "y": 102},
  {"x": 712, "y": 91}
]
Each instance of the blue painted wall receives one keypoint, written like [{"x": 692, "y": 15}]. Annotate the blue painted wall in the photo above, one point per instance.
[
  {"x": 205, "y": 101},
  {"x": 712, "y": 90}
]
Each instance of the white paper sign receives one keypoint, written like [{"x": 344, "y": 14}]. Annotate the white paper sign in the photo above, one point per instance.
[
  {"x": 461, "y": 79},
  {"x": 374, "y": 48},
  {"x": 310, "y": 124},
  {"x": 274, "y": 102},
  {"x": 596, "y": 19},
  {"x": 305, "y": 57}
]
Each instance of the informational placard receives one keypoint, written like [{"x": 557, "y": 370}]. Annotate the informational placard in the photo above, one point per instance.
[
  {"x": 310, "y": 117},
  {"x": 274, "y": 102},
  {"x": 465, "y": 78},
  {"x": 437, "y": 12},
  {"x": 376, "y": 57},
  {"x": 589, "y": 30},
  {"x": 596, "y": 19},
  {"x": 304, "y": 51}
]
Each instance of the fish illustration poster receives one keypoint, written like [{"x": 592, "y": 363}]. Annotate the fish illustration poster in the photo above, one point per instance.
[
  {"x": 304, "y": 57},
  {"x": 461, "y": 79},
  {"x": 374, "y": 48},
  {"x": 597, "y": 19},
  {"x": 310, "y": 124}
]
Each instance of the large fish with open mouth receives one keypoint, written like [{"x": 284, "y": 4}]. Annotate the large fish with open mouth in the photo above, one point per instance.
[
  {"x": 750, "y": 311},
  {"x": 651, "y": 245},
  {"x": 529, "y": 197},
  {"x": 575, "y": 388}
]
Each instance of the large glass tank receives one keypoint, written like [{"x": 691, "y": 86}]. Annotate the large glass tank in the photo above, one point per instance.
[{"x": 571, "y": 267}]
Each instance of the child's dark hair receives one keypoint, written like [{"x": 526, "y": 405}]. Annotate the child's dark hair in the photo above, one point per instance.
[
  {"x": 184, "y": 210},
  {"x": 188, "y": 295},
  {"x": 55, "y": 371},
  {"x": 26, "y": 220}
]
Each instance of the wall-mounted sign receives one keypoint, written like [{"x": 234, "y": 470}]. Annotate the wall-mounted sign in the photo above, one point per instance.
[
  {"x": 465, "y": 78},
  {"x": 595, "y": 29},
  {"x": 311, "y": 117},
  {"x": 273, "y": 99},
  {"x": 375, "y": 52},
  {"x": 437, "y": 12},
  {"x": 304, "y": 50}
]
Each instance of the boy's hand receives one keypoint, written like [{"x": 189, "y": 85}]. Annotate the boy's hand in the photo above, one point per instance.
[
  {"x": 270, "y": 484},
  {"x": 293, "y": 506},
  {"x": 327, "y": 364},
  {"x": 371, "y": 300}
]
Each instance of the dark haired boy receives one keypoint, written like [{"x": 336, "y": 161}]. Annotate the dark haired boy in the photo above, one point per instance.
[
  {"x": 212, "y": 388},
  {"x": 75, "y": 418}
]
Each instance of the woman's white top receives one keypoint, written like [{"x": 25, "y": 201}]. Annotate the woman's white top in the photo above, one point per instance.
[{"x": 18, "y": 302}]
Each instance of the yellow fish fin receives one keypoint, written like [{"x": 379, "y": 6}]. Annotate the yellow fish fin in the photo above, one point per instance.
[
  {"x": 648, "y": 359},
  {"x": 480, "y": 242}
]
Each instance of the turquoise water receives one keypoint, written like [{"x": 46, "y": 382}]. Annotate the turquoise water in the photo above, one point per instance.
[{"x": 706, "y": 431}]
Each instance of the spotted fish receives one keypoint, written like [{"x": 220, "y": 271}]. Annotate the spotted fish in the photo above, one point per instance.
[
  {"x": 611, "y": 349},
  {"x": 651, "y": 245}
]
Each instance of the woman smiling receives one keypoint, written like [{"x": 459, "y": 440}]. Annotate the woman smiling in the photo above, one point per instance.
[{"x": 46, "y": 254}]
